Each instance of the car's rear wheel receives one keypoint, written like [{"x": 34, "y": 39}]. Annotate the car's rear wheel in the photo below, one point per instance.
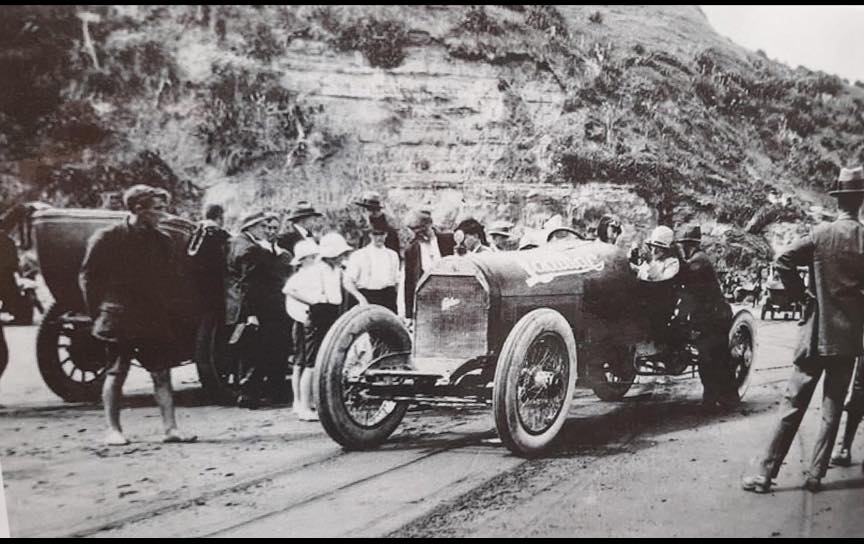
[
  {"x": 615, "y": 378},
  {"x": 534, "y": 382},
  {"x": 742, "y": 350},
  {"x": 362, "y": 335},
  {"x": 216, "y": 361}
]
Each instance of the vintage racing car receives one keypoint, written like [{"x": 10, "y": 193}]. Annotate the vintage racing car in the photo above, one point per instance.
[{"x": 517, "y": 330}]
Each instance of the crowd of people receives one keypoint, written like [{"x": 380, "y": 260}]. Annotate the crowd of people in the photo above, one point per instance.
[{"x": 281, "y": 284}]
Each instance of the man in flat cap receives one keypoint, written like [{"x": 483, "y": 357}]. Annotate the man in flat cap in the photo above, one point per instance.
[
  {"x": 830, "y": 337},
  {"x": 257, "y": 270},
  {"x": 710, "y": 318},
  {"x": 378, "y": 221},
  {"x": 129, "y": 279}
]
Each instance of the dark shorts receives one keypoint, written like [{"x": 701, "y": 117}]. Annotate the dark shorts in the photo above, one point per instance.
[
  {"x": 153, "y": 355},
  {"x": 383, "y": 297},
  {"x": 321, "y": 317}
]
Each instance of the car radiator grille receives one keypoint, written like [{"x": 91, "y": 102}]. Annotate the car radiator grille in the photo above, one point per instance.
[{"x": 451, "y": 320}]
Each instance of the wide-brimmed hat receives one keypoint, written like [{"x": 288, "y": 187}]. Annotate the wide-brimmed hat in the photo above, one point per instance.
[
  {"x": 552, "y": 232},
  {"x": 691, "y": 233},
  {"x": 304, "y": 248},
  {"x": 303, "y": 209},
  {"x": 333, "y": 245},
  {"x": 371, "y": 201},
  {"x": 500, "y": 228},
  {"x": 140, "y": 193},
  {"x": 661, "y": 237},
  {"x": 254, "y": 218},
  {"x": 850, "y": 180}
]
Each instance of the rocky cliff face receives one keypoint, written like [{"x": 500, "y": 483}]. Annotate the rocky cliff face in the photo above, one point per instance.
[{"x": 516, "y": 112}]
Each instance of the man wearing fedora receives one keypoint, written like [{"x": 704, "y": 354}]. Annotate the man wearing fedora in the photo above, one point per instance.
[
  {"x": 129, "y": 279},
  {"x": 426, "y": 247},
  {"x": 499, "y": 234},
  {"x": 830, "y": 336},
  {"x": 710, "y": 318},
  {"x": 378, "y": 221},
  {"x": 302, "y": 223},
  {"x": 257, "y": 270}
]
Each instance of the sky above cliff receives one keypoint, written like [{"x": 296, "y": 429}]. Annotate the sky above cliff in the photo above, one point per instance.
[{"x": 826, "y": 38}]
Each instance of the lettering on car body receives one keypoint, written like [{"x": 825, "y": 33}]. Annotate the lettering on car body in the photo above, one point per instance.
[{"x": 547, "y": 268}]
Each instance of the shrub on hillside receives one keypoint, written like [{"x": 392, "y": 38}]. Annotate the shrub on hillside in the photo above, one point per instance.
[
  {"x": 381, "y": 42},
  {"x": 596, "y": 18},
  {"x": 248, "y": 118}
]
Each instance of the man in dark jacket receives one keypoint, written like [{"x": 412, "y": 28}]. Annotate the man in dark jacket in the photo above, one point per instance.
[
  {"x": 709, "y": 319},
  {"x": 378, "y": 221},
  {"x": 257, "y": 269},
  {"x": 425, "y": 248},
  {"x": 129, "y": 279},
  {"x": 302, "y": 222},
  {"x": 830, "y": 336},
  {"x": 8, "y": 288}
]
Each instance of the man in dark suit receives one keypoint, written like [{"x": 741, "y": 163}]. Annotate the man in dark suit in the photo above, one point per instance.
[
  {"x": 830, "y": 336},
  {"x": 379, "y": 222},
  {"x": 8, "y": 288},
  {"x": 422, "y": 251},
  {"x": 710, "y": 318},
  {"x": 130, "y": 279},
  {"x": 255, "y": 308},
  {"x": 302, "y": 224}
]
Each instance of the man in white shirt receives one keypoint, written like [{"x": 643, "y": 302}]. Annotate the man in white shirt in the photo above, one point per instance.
[{"x": 374, "y": 270}]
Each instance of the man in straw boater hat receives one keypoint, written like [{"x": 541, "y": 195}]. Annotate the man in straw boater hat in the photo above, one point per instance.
[
  {"x": 710, "y": 318},
  {"x": 302, "y": 222},
  {"x": 257, "y": 270},
  {"x": 129, "y": 278},
  {"x": 830, "y": 336},
  {"x": 378, "y": 221}
]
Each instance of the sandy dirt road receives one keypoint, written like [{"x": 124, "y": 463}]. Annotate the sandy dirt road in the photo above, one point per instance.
[{"x": 653, "y": 464}]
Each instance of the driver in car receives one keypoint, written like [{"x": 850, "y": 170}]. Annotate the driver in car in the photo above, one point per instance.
[
  {"x": 709, "y": 318},
  {"x": 663, "y": 264}
]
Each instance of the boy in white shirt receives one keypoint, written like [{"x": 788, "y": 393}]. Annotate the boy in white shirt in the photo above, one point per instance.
[
  {"x": 306, "y": 252},
  {"x": 374, "y": 271}
]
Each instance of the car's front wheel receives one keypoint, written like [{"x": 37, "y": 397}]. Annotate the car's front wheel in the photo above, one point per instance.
[
  {"x": 742, "y": 350},
  {"x": 361, "y": 336},
  {"x": 534, "y": 382}
]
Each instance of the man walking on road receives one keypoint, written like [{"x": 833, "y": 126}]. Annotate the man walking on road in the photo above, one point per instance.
[
  {"x": 129, "y": 279},
  {"x": 854, "y": 415},
  {"x": 830, "y": 337}
]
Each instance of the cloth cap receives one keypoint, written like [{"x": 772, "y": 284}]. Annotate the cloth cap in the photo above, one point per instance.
[
  {"x": 138, "y": 194},
  {"x": 254, "y": 218}
]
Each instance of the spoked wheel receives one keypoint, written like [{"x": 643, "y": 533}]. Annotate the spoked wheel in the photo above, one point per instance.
[
  {"x": 362, "y": 335},
  {"x": 72, "y": 362},
  {"x": 614, "y": 379},
  {"x": 534, "y": 382},
  {"x": 742, "y": 350},
  {"x": 216, "y": 361}
]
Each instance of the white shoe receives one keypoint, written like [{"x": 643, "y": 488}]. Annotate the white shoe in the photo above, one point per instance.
[
  {"x": 307, "y": 415},
  {"x": 115, "y": 438}
]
